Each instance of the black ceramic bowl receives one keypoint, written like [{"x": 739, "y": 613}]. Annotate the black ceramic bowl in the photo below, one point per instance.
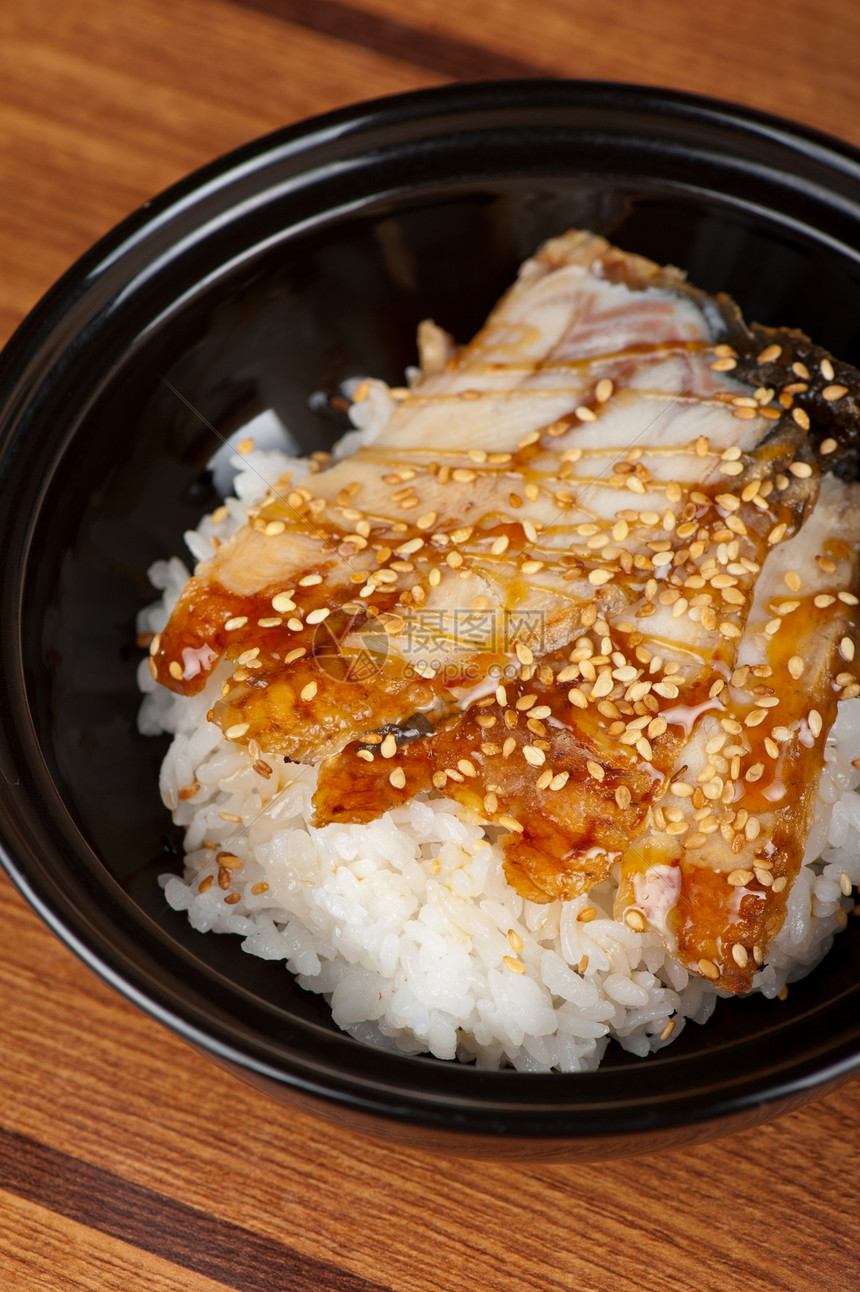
[{"x": 300, "y": 260}]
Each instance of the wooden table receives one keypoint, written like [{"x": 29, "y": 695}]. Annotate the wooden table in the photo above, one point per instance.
[{"x": 127, "y": 1161}]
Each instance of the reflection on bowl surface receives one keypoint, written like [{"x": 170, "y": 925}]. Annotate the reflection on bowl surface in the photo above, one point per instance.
[{"x": 272, "y": 276}]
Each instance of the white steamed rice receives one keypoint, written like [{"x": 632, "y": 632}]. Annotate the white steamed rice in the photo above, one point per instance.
[{"x": 403, "y": 924}]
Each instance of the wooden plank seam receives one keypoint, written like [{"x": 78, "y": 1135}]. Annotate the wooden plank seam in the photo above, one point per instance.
[{"x": 162, "y": 1226}]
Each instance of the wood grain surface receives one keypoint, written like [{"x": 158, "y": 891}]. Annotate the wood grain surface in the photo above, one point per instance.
[{"x": 127, "y": 1160}]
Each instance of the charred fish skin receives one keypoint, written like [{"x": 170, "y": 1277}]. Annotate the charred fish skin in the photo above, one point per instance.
[
  {"x": 815, "y": 390},
  {"x": 619, "y": 454}
]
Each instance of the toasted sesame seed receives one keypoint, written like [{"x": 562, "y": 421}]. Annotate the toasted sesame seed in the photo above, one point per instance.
[
  {"x": 769, "y": 354},
  {"x": 466, "y": 767},
  {"x": 511, "y": 824},
  {"x": 603, "y": 390},
  {"x": 830, "y": 393},
  {"x": 388, "y": 748},
  {"x": 586, "y": 915},
  {"x": 815, "y": 722},
  {"x": 536, "y": 757},
  {"x": 801, "y": 417},
  {"x": 515, "y": 966},
  {"x": 500, "y": 545},
  {"x": 846, "y": 648},
  {"x": 397, "y": 778},
  {"x": 283, "y": 603},
  {"x": 708, "y": 969},
  {"x": 823, "y": 600},
  {"x": 740, "y": 955},
  {"x": 603, "y": 685},
  {"x": 308, "y": 692},
  {"x": 559, "y": 781},
  {"x": 585, "y": 414},
  {"x": 174, "y": 668},
  {"x": 228, "y": 860},
  {"x": 524, "y": 655},
  {"x": 237, "y": 731},
  {"x": 723, "y": 365},
  {"x": 365, "y": 755},
  {"x": 515, "y": 941}
]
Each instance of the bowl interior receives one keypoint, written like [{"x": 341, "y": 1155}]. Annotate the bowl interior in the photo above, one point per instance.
[{"x": 140, "y": 371}]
